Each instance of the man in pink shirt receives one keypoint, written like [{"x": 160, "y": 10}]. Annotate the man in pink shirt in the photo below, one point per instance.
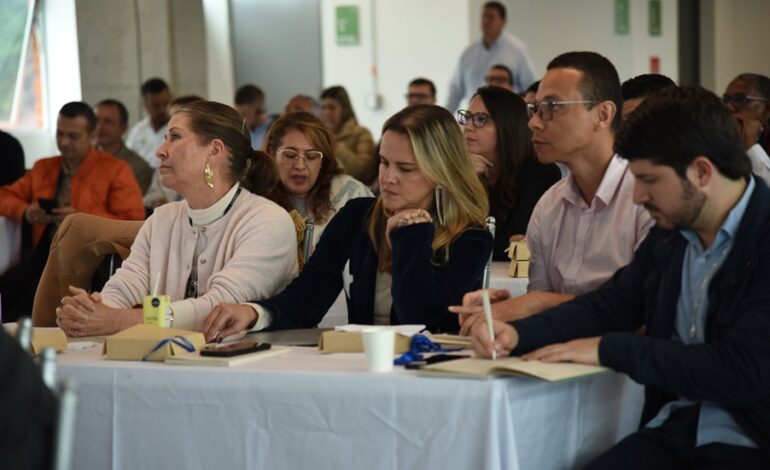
[{"x": 586, "y": 226}]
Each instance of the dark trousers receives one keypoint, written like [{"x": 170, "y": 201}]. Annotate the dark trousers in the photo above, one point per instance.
[
  {"x": 672, "y": 446},
  {"x": 19, "y": 284}
]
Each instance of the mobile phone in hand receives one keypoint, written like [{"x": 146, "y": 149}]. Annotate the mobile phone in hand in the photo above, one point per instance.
[
  {"x": 48, "y": 205},
  {"x": 235, "y": 349}
]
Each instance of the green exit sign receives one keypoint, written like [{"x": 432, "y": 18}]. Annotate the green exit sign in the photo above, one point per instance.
[{"x": 347, "y": 25}]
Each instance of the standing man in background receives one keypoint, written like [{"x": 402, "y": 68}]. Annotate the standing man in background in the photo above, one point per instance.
[
  {"x": 147, "y": 135},
  {"x": 495, "y": 47}
]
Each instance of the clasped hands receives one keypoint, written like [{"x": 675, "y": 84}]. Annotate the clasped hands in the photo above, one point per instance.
[{"x": 84, "y": 314}]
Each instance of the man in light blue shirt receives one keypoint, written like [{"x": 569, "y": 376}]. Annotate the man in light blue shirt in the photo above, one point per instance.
[
  {"x": 495, "y": 47},
  {"x": 250, "y": 102}
]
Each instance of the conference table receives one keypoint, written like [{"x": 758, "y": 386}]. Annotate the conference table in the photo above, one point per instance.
[{"x": 305, "y": 409}]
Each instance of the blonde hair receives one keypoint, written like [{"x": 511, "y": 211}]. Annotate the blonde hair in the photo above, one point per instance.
[{"x": 443, "y": 158}]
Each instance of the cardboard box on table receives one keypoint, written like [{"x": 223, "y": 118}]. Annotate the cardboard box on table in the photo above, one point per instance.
[
  {"x": 518, "y": 252},
  {"x": 349, "y": 341},
  {"x": 42, "y": 337},
  {"x": 132, "y": 344}
]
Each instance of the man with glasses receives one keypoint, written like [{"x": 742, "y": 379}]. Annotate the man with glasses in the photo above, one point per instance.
[
  {"x": 421, "y": 91},
  {"x": 495, "y": 47},
  {"x": 747, "y": 99},
  {"x": 586, "y": 226},
  {"x": 698, "y": 283}
]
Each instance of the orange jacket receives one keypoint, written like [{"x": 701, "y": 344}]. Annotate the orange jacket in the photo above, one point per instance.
[{"x": 103, "y": 186}]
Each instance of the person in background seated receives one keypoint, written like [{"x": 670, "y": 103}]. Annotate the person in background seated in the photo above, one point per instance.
[
  {"x": 250, "y": 102},
  {"x": 111, "y": 124},
  {"x": 499, "y": 141},
  {"x": 402, "y": 257},
  {"x": 220, "y": 244},
  {"x": 13, "y": 159},
  {"x": 529, "y": 95},
  {"x": 699, "y": 284},
  {"x": 420, "y": 91},
  {"x": 147, "y": 135},
  {"x": 310, "y": 180},
  {"x": 499, "y": 75},
  {"x": 748, "y": 99},
  {"x": 586, "y": 226},
  {"x": 304, "y": 103},
  {"x": 354, "y": 146},
  {"x": 81, "y": 179},
  {"x": 636, "y": 89}
]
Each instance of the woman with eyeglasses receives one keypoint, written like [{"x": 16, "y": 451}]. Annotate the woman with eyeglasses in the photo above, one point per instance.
[
  {"x": 354, "y": 145},
  {"x": 499, "y": 141},
  {"x": 309, "y": 179},
  {"x": 403, "y": 257}
]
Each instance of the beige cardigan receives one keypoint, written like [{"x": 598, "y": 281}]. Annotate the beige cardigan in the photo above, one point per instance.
[{"x": 251, "y": 253}]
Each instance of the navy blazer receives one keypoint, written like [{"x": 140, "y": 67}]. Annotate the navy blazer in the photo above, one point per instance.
[
  {"x": 732, "y": 368},
  {"x": 422, "y": 289}
]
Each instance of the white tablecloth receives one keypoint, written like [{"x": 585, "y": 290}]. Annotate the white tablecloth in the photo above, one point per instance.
[
  {"x": 306, "y": 410},
  {"x": 338, "y": 313}
]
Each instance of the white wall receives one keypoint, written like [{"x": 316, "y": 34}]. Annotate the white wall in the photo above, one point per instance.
[
  {"x": 411, "y": 38},
  {"x": 734, "y": 38}
]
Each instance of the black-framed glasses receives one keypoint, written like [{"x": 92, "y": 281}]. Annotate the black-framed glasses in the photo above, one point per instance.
[
  {"x": 741, "y": 99},
  {"x": 478, "y": 120},
  {"x": 292, "y": 155},
  {"x": 418, "y": 97},
  {"x": 545, "y": 109}
]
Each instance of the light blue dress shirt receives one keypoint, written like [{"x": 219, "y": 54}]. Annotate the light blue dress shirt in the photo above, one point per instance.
[{"x": 715, "y": 425}]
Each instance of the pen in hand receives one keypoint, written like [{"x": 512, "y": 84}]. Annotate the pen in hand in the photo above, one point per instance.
[{"x": 488, "y": 315}]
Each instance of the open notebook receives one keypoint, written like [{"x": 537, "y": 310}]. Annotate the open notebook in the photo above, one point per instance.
[
  {"x": 480, "y": 368},
  {"x": 195, "y": 359}
]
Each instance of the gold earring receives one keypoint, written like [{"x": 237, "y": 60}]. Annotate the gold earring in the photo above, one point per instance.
[{"x": 208, "y": 175}]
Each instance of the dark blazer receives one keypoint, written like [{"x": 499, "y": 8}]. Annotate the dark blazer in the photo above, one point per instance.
[
  {"x": 732, "y": 368},
  {"x": 422, "y": 291},
  {"x": 534, "y": 180}
]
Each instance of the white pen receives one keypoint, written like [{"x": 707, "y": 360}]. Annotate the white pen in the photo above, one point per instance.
[{"x": 488, "y": 315}]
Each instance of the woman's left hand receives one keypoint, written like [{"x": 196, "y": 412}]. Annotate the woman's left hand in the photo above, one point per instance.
[
  {"x": 406, "y": 217},
  {"x": 82, "y": 314}
]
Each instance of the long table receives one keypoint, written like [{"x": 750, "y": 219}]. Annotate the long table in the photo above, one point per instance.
[
  {"x": 308, "y": 410},
  {"x": 338, "y": 313}
]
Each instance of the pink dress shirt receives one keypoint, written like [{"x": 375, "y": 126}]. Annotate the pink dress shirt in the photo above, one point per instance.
[{"x": 576, "y": 247}]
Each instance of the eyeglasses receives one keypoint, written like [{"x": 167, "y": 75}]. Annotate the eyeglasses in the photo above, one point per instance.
[
  {"x": 497, "y": 80},
  {"x": 418, "y": 96},
  {"x": 741, "y": 99},
  {"x": 478, "y": 120},
  {"x": 545, "y": 109},
  {"x": 292, "y": 155}
]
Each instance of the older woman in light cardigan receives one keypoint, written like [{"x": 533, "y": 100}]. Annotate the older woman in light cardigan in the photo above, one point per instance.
[{"x": 220, "y": 244}]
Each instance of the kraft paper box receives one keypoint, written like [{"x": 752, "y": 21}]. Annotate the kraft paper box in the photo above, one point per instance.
[
  {"x": 347, "y": 341},
  {"x": 42, "y": 337},
  {"x": 132, "y": 344},
  {"x": 519, "y": 254}
]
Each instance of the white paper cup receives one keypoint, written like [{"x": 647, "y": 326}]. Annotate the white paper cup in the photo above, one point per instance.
[{"x": 378, "y": 346}]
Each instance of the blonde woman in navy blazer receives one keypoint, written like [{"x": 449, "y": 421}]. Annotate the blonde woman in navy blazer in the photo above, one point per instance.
[{"x": 403, "y": 257}]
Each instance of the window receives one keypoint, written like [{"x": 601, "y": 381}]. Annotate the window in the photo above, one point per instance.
[{"x": 21, "y": 87}]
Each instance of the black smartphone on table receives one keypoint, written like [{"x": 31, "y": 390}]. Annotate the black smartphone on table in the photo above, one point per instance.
[
  {"x": 48, "y": 205},
  {"x": 235, "y": 349}
]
